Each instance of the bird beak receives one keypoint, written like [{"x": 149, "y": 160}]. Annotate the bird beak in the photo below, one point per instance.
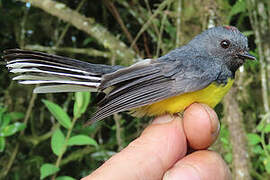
[{"x": 246, "y": 55}]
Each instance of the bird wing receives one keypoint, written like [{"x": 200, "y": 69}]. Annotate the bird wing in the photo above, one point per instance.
[{"x": 149, "y": 82}]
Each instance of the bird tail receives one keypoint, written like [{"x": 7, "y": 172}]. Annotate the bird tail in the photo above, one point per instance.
[{"x": 54, "y": 73}]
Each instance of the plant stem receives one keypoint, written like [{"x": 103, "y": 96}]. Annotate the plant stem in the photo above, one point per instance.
[
  {"x": 146, "y": 25},
  {"x": 119, "y": 139},
  {"x": 178, "y": 6},
  {"x": 159, "y": 44},
  {"x": 88, "y": 25},
  {"x": 58, "y": 161},
  {"x": 118, "y": 18},
  {"x": 68, "y": 25},
  {"x": 17, "y": 146}
]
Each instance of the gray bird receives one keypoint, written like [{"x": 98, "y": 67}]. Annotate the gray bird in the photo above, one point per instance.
[{"x": 201, "y": 71}]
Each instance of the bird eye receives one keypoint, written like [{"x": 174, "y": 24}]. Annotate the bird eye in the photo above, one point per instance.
[{"x": 225, "y": 44}]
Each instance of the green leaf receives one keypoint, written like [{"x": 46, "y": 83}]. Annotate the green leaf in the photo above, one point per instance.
[
  {"x": 87, "y": 41},
  {"x": 12, "y": 129},
  {"x": 253, "y": 139},
  {"x": 224, "y": 140},
  {"x": 267, "y": 128},
  {"x": 82, "y": 100},
  {"x": 2, "y": 144},
  {"x": 81, "y": 140},
  {"x": 260, "y": 126},
  {"x": 257, "y": 149},
  {"x": 248, "y": 33},
  {"x": 5, "y": 120},
  {"x": 267, "y": 165},
  {"x": 59, "y": 114},
  {"x": 64, "y": 178},
  {"x": 2, "y": 113},
  {"x": 47, "y": 170},
  {"x": 16, "y": 115},
  {"x": 89, "y": 129},
  {"x": 238, "y": 7},
  {"x": 58, "y": 142},
  {"x": 228, "y": 157}
]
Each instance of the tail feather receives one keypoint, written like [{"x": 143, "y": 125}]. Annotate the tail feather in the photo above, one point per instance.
[
  {"x": 21, "y": 64},
  {"x": 35, "y": 77},
  {"x": 19, "y": 55},
  {"x": 35, "y": 69},
  {"x": 62, "y": 88},
  {"x": 54, "y": 73}
]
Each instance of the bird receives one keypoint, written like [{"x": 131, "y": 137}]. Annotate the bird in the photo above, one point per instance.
[{"x": 202, "y": 71}]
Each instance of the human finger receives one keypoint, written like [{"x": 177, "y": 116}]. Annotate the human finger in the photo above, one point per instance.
[
  {"x": 201, "y": 126},
  {"x": 200, "y": 165}
]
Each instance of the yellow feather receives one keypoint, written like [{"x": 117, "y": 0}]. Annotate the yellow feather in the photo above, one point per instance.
[{"x": 211, "y": 95}]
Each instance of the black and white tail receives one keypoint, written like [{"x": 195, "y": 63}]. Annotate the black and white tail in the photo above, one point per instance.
[{"x": 55, "y": 73}]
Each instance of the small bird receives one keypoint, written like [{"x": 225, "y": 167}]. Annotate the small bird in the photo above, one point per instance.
[{"x": 201, "y": 71}]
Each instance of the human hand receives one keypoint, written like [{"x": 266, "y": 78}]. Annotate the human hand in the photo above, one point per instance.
[{"x": 161, "y": 150}]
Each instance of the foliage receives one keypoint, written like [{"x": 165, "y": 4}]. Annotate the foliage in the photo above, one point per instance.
[
  {"x": 59, "y": 141},
  {"x": 6, "y": 128},
  {"x": 49, "y": 139},
  {"x": 259, "y": 147}
]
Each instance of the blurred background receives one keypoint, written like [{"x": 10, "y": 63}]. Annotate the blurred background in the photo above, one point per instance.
[{"x": 42, "y": 136}]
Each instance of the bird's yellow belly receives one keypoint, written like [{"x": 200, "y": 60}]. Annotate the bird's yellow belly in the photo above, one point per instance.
[{"x": 211, "y": 95}]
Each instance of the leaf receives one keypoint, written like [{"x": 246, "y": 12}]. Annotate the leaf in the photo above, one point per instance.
[
  {"x": 47, "y": 170},
  {"x": 59, "y": 114},
  {"x": 82, "y": 100},
  {"x": 5, "y": 120},
  {"x": 16, "y": 115},
  {"x": 238, "y": 7},
  {"x": 2, "y": 144},
  {"x": 267, "y": 165},
  {"x": 224, "y": 140},
  {"x": 12, "y": 129},
  {"x": 58, "y": 142},
  {"x": 64, "y": 178},
  {"x": 87, "y": 41},
  {"x": 257, "y": 149},
  {"x": 228, "y": 157},
  {"x": 81, "y": 140},
  {"x": 89, "y": 129},
  {"x": 267, "y": 128},
  {"x": 2, "y": 113},
  {"x": 253, "y": 139},
  {"x": 260, "y": 126},
  {"x": 248, "y": 33}
]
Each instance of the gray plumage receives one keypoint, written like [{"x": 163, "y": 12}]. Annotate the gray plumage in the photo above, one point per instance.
[{"x": 192, "y": 67}]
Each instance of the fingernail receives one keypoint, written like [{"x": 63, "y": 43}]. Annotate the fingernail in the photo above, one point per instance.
[
  {"x": 185, "y": 172},
  {"x": 215, "y": 126},
  {"x": 163, "y": 119}
]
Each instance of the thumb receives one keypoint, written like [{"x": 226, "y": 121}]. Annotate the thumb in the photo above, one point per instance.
[{"x": 160, "y": 145}]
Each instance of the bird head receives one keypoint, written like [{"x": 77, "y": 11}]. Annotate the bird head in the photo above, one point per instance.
[{"x": 225, "y": 43}]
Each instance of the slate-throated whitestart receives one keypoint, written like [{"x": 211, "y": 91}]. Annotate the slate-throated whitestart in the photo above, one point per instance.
[{"x": 201, "y": 71}]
